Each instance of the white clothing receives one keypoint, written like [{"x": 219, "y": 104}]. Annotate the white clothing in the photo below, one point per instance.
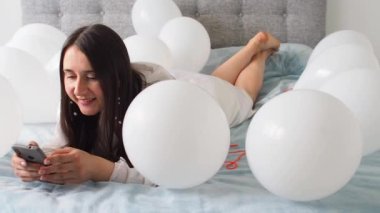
[{"x": 236, "y": 104}]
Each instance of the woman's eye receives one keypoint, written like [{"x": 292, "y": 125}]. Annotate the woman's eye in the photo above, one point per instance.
[{"x": 70, "y": 76}]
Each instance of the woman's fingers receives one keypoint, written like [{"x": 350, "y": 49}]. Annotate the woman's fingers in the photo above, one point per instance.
[
  {"x": 33, "y": 143},
  {"x": 27, "y": 175}
]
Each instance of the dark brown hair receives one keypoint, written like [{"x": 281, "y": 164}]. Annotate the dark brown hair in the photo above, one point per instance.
[{"x": 101, "y": 134}]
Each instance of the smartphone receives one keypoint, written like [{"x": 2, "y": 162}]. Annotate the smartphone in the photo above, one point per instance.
[{"x": 30, "y": 153}]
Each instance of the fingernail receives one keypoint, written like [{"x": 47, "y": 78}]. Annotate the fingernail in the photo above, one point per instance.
[
  {"x": 23, "y": 163},
  {"x": 46, "y": 162}
]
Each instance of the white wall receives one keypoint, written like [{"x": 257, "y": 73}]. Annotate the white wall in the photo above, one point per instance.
[
  {"x": 10, "y": 19},
  {"x": 356, "y": 15}
]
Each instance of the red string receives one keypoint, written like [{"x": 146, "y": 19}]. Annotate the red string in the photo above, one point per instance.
[{"x": 234, "y": 164}]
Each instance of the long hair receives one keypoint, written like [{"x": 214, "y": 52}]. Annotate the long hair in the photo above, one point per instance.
[{"x": 101, "y": 134}]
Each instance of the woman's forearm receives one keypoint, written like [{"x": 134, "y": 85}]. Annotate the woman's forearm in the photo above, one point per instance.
[{"x": 101, "y": 169}]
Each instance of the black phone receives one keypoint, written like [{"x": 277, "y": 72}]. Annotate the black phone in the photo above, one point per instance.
[{"x": 30, "y": 153}]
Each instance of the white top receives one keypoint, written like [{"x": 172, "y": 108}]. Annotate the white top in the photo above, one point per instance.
[{"x": 235, "y": 102}]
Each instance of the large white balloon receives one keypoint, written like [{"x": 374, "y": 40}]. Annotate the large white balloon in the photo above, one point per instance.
[
  {"x": 148, "y": 16},
  {"x": 360, "y": 90},
  {"x": 52, "y": 70},
  {"x": 10, "y": 114},
  {"x": 45, "y": 31},
  {"x": 188, "y": 42},
  {"x": 40, "y": 40},
  {"x": 38, "y": 97},
  {"x": 340, "y": 38},
  {"x": 175, "y": 134},
  {"x": 335, "y": 60},
  {"x": 304, "y": 145},
  {"x": 148, "y": 49}
]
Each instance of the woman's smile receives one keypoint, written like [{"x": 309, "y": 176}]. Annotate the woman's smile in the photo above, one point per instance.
[{"x": 81, "y": 84}]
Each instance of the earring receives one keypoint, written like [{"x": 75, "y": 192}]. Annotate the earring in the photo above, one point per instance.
[
  {"x": 71, "y": 106},
  {"x": 118, "y": 103}
]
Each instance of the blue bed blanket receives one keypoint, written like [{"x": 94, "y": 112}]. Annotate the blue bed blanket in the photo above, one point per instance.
[{"x": 232, "y": 189}]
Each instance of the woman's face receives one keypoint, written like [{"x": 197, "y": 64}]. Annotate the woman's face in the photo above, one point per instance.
[{"x": 81, "y": 83}]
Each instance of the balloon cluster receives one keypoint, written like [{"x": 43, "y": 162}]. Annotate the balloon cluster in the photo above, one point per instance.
[
  {"x": 167, "y": 38},
  {"x": 10, "y": 114},
  {"x": 29, "y": 61},
  {"x": 174, "y": 133},
  {"x": 307, "y": 143},
  {"x": 29, "y": 80}
]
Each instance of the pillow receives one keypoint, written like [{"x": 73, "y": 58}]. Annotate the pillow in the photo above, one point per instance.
[{"x": 282, "y": 70}]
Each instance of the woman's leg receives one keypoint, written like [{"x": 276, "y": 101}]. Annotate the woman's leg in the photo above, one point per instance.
[
  {"x": 230, "y": 70},
  {"x": 252, "y": 76}
]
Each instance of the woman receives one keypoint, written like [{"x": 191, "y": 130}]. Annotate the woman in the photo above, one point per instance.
[{"x": 98, "y": 83}]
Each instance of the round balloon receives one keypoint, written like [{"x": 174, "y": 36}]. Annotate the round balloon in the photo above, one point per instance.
[
  {"x": 38, "y": 98},
  {"x": 10, "y": 114},
  {"x": 304, "y": 145},
  {"x": 340, "y": 38},
  {"x": 48, "y": 32},
  {"x": 40, "y": 40},
  {"x": 359, "y": 90},
  {"x": 52, "y": 70},
  {"x": 148, "y": 49},
  {"x": 36, "y": 46},
  {"x": 175, "y": 134},
  {"x": 188, "y": 42},
  {"x": 335, "y": 60},
  {"x": 148, "y": 16}
]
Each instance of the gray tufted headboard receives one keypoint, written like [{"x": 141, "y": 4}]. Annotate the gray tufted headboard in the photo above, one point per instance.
[{"x": 228, "y": 22}]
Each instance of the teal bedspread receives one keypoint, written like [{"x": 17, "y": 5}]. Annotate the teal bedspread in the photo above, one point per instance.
[{"x": 232, "y": 189}]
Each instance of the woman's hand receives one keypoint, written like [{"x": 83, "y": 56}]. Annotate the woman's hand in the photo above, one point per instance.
[
  {"x": 25, "y": 170},
  {"x": 70, "y": 165}
]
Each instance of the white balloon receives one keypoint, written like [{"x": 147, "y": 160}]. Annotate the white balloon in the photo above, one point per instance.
[
  {"x": 148, "y": 16},
  {"x": 36, "y": 46},
  {"x": 10, "y": 114},
  {"x": 52, "y": 70},
  {"x": 40, "y": 40},
  {"x": 28, "y": 77},
  {"x": 53, "y": 65},
  {"x": 188, "y": 42},
  {"x": 175, "y": 134},
  {"x": 45, "y": 31},
  {"x": 335, "y": 60},
  {"x": 148, "y": 49},
  {"x": 340, "y": 38},
  {"x": 304, "y": 145},
  {"x": 359, "y": 90}
]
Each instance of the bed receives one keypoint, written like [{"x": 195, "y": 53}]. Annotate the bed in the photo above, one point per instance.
[{"x": 299, "y": 24}]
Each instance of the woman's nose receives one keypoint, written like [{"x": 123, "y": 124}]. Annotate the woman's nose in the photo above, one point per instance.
[{"x": 80, "y": 87}]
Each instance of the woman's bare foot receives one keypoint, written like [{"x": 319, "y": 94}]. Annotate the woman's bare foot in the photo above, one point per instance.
[{"x": 265, "y": 41}]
